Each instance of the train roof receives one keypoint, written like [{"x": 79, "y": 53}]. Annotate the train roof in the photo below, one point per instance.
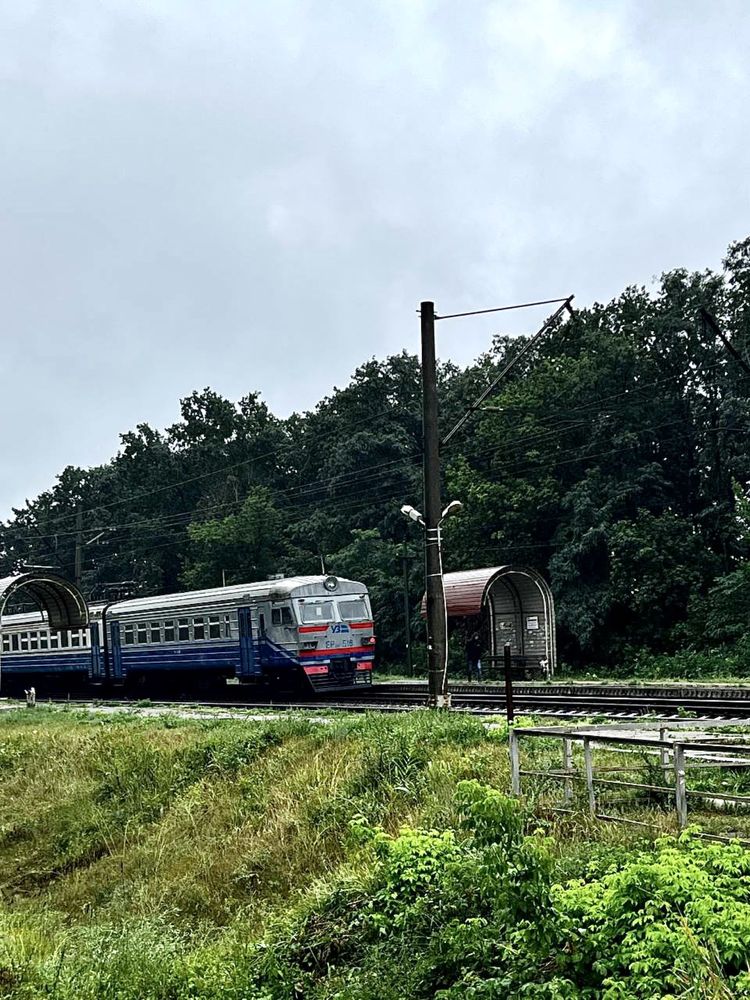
[{"x": 274, "y": 590}]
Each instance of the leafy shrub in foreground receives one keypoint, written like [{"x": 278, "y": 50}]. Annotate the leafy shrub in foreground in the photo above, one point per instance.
[
  {"x": 664, "y": 922},
  {"x": 441, "y": 917}
]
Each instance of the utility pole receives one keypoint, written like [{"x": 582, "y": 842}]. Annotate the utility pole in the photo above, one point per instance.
[
  {"x": 79, "y": 547},
  {"x": 405, "y": 557},
  {"x": 436, "y": 630}
]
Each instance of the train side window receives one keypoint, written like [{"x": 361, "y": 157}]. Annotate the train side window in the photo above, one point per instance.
[
  {"x": 44, "y": 640},
  {"x": 276, "y": 616},
  {"x": 199, "y": 628},
  {"x": 24, "y": 642},
  {"x": 286, "y": 616},
  {"x": 14, "y": 643},
  {"x": 169, "y": 630},
  {"x": 6, "y": 643},
  {"x": 141, "y": 632},
  {"x": 227, "y": 627},
  {"x": 262, "y": 624},
  {"x": 183, "y": 629},
  {"x": 128, "y": 635},
  {"x": 54, "y": 640},
  {"x": 155, "y": 631},
  {"x": 214, "y": 627},
  {"x": 33, "y": 640}
]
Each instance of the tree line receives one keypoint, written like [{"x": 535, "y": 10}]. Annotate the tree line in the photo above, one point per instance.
[{"x": 613, "y": 459}]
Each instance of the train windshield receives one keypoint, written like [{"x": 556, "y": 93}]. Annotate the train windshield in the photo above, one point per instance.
[
  {"x": 318, "y": 613},
  {"x": 353, "y": 609}
]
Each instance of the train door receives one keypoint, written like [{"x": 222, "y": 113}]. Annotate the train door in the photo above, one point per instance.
[
  {"x": 116, "y": 648},
  {"x": 248, "y": 664},
  {"x": 95, "y": 665}
]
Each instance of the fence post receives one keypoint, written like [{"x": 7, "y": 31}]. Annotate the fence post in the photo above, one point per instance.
[
  {"x": 509, "y": 711},
  {"x": 588, "y": 763},
  {"x": 680, "y": 794},
  {"x": 664, "y": 751},
  {"x": 515, "y": 762},
  {"x": 567, "y": 746}
]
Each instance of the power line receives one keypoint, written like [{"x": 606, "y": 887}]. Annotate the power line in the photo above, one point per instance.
[
  {"x": 215, "y": 472},
  {"x": 355, "y": 476},
  {"x": 344, "y": 479}
]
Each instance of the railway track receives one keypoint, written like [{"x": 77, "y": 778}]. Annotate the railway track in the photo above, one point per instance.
[
  {"x": 584, "y": 700},
  {"x": 562, "y": 701}
]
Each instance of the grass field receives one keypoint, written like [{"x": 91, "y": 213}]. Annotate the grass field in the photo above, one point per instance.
[{"x": 372, "y": 857}]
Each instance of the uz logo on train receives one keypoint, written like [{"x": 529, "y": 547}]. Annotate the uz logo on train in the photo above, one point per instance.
[{"x": 342, "y": 635}]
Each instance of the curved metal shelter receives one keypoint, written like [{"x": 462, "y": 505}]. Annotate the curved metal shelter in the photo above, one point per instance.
[
  {"x": 63, "y": 603},
  {"x": 520, "y": 606}
]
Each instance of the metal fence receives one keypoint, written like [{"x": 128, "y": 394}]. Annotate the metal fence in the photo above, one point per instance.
[{"x": 678, "y": 753}]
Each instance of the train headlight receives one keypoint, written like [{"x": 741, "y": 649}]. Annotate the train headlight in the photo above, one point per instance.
[{"x": 330, "y": 583}]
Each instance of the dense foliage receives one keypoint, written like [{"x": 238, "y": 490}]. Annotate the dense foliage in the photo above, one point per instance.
[
  {"x": 613, "y": 459},
  {"x": 370, "y": 859}
]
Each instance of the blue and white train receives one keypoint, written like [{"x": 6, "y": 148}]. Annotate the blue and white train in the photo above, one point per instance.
[{"x": 314, "y": 628}]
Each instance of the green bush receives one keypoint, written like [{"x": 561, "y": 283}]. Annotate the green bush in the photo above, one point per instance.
[
  {"x": 448, "y": 918},
  {"x": 668, "y": 923}
]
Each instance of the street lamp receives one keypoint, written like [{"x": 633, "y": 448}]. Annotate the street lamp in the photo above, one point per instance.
[
  {"x": 409, "y": 511},
  {"x": 441, "y": 696},
  {"x": 454, "y": 507}
]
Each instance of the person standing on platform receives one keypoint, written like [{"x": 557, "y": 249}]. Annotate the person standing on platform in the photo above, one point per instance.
[{"x": 474, "y": 657}]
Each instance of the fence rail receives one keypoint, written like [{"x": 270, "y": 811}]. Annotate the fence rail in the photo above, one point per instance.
[{"x": 677, "y": 749}]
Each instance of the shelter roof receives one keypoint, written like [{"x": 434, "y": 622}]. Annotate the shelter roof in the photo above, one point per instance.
[
  {"x": 63, "y": 603},
  {"x": 467, "y": 590}
]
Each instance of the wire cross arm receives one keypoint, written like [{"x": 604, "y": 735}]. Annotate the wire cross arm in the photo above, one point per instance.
[
  {"x": 500, "y": 309},
  {"x": 566, "y": 306}
]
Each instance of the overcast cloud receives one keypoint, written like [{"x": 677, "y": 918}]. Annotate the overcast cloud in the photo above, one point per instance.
[{"x": 255, "y": 195}]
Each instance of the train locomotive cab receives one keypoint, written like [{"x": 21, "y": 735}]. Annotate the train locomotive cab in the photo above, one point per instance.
[{"x": 336, "y": 637}]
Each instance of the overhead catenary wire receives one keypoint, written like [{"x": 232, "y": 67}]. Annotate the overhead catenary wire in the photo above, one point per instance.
[
  {"x": 361, "y": 504},
  {"x": 191, "y": 479},
  {"x": 342, "y": 480},
  {"x": 214, "y": 472},
  {"x": 335, "y": 431},
  {"x": 392, "y": 494}
]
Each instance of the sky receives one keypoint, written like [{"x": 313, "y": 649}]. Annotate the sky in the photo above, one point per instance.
[{"x": 257, "y": 196}]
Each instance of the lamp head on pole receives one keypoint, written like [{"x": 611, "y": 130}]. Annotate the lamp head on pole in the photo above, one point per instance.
[
  {"x": 454, "y": 507},
  {"x": 411, "y": 512}
]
